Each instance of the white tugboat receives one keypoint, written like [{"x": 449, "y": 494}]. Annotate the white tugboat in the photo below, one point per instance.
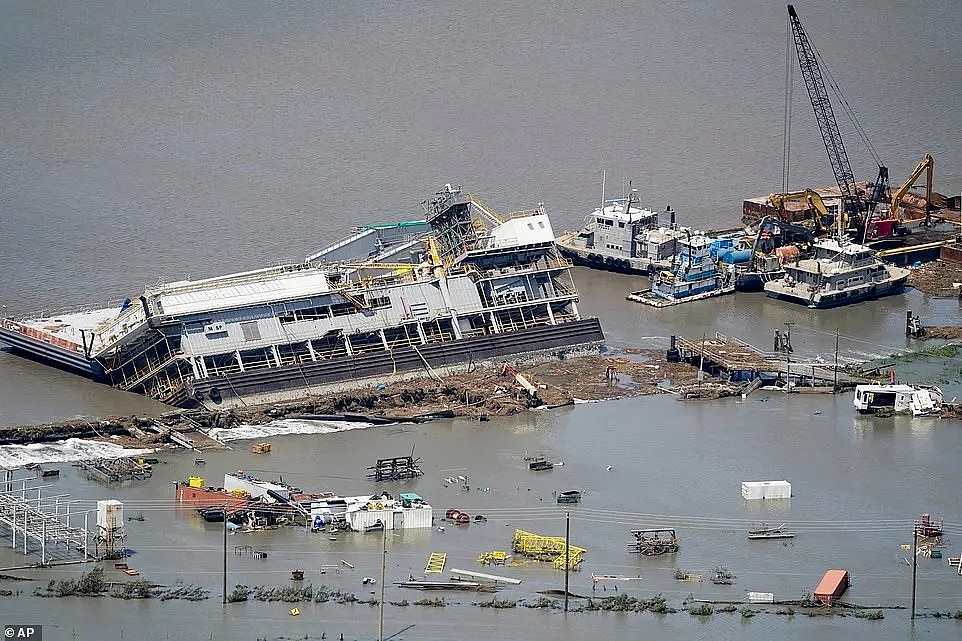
[
  {"x": 839, "y": 273},
  {"x": 619, "y": 236}
]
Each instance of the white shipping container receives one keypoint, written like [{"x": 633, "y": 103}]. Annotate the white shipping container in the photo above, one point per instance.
[
  {"x": 391, "y": 517},
  {"x": 754, "y": 490},
  {"x": 761, "y": 597}
]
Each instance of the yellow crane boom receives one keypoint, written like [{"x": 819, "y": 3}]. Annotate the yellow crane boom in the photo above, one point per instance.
[{"x": 928, "y": 166}]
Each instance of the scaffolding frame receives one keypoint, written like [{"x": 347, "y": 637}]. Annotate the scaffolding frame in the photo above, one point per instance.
[{"x": 41, "y": 524}]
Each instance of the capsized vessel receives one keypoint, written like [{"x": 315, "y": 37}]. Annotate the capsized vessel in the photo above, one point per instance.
[{"x": 407, "y": 300}]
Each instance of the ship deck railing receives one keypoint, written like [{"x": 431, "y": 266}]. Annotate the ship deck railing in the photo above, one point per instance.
[{"x": 540, "y": 265}]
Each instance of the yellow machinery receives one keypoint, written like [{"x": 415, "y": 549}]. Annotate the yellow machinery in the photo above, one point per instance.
[
  {"x": 928, "y": 166},
  {"x": 808, "y": 196},
  {"x": 494, "y": 557},
  {"x": 547, "y": 548}
]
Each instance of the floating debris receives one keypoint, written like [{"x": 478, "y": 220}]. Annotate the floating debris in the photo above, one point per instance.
[
  {"x": 764, "y": 532},
  {"x": 654, "y": 542},
  {"x": 396, "y": 468}
]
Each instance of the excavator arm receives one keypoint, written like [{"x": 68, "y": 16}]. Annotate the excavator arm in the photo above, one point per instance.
[
  {"x": 808, "y": 196},
  {"x": 928, "y": 166}
]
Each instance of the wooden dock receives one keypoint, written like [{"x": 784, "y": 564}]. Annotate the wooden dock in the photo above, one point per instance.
[{"x": 735, "y": 360}]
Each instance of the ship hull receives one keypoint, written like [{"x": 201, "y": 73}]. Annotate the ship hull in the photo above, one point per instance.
[
  {"x": 50, "y": 354},
  {"x": 603, "y": 262},
  {"x": 840, "y": 299},
  {"x": 283, "y": 383}
]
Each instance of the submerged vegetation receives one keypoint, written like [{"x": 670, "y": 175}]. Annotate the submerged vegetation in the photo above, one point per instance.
[
  {"x": 94, "y": 584},
  {"x": 950, "y": 350}
]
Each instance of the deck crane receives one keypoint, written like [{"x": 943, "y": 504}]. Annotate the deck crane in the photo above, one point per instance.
[{"x": 858, "y": 210}]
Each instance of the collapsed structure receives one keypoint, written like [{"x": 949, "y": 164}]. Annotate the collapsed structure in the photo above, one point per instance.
[{"x": 464, "y": 285}]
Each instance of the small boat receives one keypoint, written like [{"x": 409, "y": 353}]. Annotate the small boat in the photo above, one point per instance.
[
  {"x": 763, "y": 532},
  {"x": 917, "y": 400},
  {"x": 540, "y": 464},
  {"x": 212, "y": 514},
  {"x": 569, "y": 496},
  {"x": 723, "y": 576}
]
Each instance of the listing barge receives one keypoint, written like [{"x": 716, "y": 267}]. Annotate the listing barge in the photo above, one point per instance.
[{"x": 393, "y": 301}]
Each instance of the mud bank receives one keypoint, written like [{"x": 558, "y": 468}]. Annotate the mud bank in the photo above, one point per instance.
[{"x": 483, "y": 393}]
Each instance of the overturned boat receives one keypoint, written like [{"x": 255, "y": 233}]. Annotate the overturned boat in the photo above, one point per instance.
[
  {"x": 398, "y": 300},
  {"x": 917, "y": 400}
]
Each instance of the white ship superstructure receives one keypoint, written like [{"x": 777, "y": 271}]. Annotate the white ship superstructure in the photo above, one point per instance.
[
  {"x": 465, "y": 285},
  {"x": 839, "y": 273},
  {"x": 619, "y": 236}
]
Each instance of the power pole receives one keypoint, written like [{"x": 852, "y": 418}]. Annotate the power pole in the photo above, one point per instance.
[
  {"x": 835, "y": 385},
  {"x": 915, "y": 563},
  {"x": 788, "y": 361},
  {"x": 380, "y": 613},
  {"x": 225, "y": 553},
  {"x": 567, "y": 545}
]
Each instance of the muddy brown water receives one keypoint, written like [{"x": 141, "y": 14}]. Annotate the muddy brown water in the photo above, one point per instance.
[{"x": 145, "y": 142}]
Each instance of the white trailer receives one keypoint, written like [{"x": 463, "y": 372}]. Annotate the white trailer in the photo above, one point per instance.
[{"x": 755, "y": 490}]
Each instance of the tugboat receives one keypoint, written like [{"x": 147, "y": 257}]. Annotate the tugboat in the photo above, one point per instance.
[
  {"x": 620, "y": 237},
  {"x": 839, "y": 273},
  {"x": 695, "y": 275}
]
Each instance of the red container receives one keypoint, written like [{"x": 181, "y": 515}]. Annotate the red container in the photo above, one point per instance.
[{"x": 832, "y": 586}]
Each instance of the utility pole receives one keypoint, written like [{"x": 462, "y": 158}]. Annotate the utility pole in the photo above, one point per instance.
[
  {"x": 567, "y": 545},
  {"x": 380, "y": 609},
  {"x": 915, "y": 561},
  {"x": 701, "y": 362},
  {"x": 225, "y": 553},
  {"x": 835, "y": 385},
  {"x": 788, "y": 361}
]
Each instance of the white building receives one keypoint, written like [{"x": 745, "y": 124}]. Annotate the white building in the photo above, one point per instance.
[{"x": 364, "y": 513}]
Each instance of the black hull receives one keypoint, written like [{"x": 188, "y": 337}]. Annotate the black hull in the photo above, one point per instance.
[
  {"x": 623, "y": 268},
  {"x": 307, "y": 376},
  {"x": 51, "y": 355}
]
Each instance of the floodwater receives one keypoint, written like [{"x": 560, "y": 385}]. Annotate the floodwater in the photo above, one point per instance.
[{"x": 156, "y": 140}]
